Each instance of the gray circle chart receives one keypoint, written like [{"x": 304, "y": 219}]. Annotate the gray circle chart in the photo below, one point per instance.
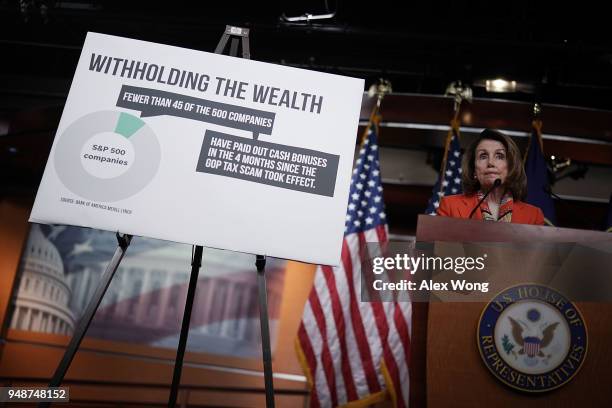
[{"x": 77, "y": 179}]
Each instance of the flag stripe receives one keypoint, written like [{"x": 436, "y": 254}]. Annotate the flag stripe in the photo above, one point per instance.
[
  {"x": 341, "y": 333},
  {"x": 381, "y": 231},
  {"x": 328, "y": 365},
  {"x": 365, "y": 309},
  {"x": 319, "y": 376},
  {"x": 331, "y": 334},
  {"x": 310, "y": 359},
  {"x": 383, "y": 331},
  {"x": 383, "y": 313},
  {"x": 402, "y": 328},
  {"x": 359, "y": 330},
  {"x": 343, "y": 288},
  {"x": 402, "y": 380}
]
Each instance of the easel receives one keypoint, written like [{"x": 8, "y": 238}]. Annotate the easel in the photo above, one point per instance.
[{"x": 196, "y": 262}]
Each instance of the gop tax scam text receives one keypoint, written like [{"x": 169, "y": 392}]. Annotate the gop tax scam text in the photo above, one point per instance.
[{"x": 268, "y": 163}]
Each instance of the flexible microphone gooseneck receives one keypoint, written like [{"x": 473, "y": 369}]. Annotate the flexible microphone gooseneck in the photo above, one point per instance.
[{"x": 496, "y": 184}]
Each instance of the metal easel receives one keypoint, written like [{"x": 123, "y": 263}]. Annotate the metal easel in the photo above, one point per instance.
[
  {"x": 235, "y": 33},
  {"x": 123, "y": 241}
]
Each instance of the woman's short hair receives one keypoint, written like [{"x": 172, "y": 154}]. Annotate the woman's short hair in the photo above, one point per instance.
[{"x": 516, "y": 182}]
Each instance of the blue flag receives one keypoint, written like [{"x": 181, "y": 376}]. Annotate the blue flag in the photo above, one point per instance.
[
  {"x": 538, "y": 185},
  {"x": 449, "y": 181}
]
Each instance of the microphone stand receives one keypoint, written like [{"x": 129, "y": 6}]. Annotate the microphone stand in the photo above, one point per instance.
[
  {"x": 496, "y": 184},
  {"x": 549, "y": 191}
]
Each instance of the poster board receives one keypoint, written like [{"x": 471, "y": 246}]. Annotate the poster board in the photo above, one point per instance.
[{"x": 205, "y": 149}]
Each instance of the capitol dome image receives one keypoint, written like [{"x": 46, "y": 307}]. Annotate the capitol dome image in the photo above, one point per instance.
[{"x": 43, "y": 296}]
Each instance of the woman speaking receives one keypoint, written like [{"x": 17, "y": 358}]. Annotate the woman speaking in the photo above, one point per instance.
[{"x": 494, "y": 183}]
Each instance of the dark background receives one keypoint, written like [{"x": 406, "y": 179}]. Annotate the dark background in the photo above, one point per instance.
[{"x": 420, "y": 47}]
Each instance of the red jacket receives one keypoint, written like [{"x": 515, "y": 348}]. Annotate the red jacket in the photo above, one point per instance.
[{"x": 460, "y": 206}]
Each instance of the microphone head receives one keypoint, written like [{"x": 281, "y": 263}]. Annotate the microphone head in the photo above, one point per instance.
[{"x": 496, "y": 183}]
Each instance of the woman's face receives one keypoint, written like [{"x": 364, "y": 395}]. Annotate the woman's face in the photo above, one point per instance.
[{"x": 491, "y": 162}]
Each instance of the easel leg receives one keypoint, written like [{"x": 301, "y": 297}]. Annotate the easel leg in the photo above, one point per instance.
[
  {"x": 265, "y": 330},
  {"x": 88, "y": 314},
  {"x": 180, "y": 352}
]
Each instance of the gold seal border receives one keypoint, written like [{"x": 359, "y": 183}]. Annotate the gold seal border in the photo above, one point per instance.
[{"x": 503, "y": 381}]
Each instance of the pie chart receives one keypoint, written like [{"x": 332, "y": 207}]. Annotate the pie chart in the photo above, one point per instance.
[{"x": 107, "y": 156}]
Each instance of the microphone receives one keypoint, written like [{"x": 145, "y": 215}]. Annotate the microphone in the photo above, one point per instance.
[{"x": 496, "y": 184}]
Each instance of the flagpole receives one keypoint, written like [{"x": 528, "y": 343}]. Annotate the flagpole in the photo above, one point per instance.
[
  {"x": 380, "y": 90},
  {"x": 454, "y": 129},
  {"x": 460, "y": 93},
  {"x": 536, "y": 125}
]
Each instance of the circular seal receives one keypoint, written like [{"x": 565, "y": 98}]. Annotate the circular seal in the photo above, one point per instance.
[{"x": 532, "y": 338}]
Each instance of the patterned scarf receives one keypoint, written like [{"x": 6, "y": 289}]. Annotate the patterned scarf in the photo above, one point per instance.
[{"x": 505, "y": 208}]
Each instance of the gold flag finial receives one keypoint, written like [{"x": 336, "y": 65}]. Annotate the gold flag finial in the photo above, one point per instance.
[
  {"x": 380, "y": 89},
  {"x": 460, "y": 92},
  {"x": 537, "y": 110}
]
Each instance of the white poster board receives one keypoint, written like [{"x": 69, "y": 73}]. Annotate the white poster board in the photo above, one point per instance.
[{"x": 206, "y": 149}]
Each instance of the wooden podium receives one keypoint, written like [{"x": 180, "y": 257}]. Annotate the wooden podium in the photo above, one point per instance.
[{"x": 452, "y": 373}]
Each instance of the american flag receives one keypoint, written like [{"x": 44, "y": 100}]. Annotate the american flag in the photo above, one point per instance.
[
  {"x": 450, "y": 177},
  {"x": 353, "y": 350}
]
